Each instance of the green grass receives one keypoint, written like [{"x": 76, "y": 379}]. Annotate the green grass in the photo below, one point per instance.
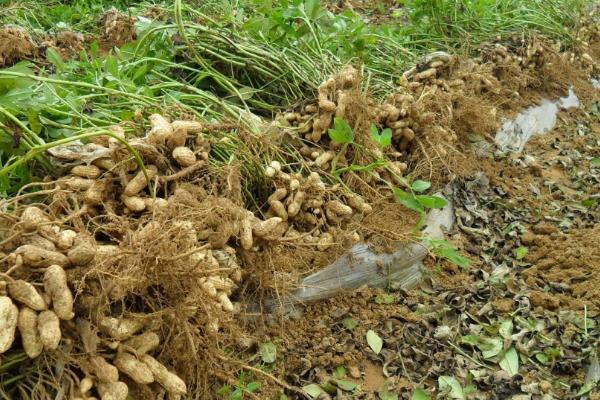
[{"x": 53, "y": 15}]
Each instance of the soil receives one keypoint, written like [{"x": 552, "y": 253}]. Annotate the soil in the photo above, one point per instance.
[
  {"x": 15, "y": 45},
  {"x": 117, "y": 29}
]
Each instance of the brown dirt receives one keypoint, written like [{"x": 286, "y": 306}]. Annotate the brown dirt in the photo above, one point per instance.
[
  {"x": 377, "y": 11},
  {"x": 68, "y": 43},
  {"x": 572, "y": 260},
  {"x": 117, "y": 29},
  {"x": 15, "y": 45}
]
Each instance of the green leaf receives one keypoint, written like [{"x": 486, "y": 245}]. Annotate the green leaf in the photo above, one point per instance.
[
  {"x": 383, "y": 139},
  {"x": 111, "y": 66},
  {"x": 542, "y": 358},
  {"x": 224, "y": 390},
  {"x": 473, "y": 340},
  {"x": 54, "y": 57},
  {"x": 313, "y": 390},
  {"x": 506, "y": 329},
  {"x": 420, "y": 186},
  {"x": 420, "y": 394},
  {"x": 592, "y": 375},
  {"x": 490, "y": 347},
  {"x": 345, "y": 385},
  {"x": 33, "y": 117},
  {"x": 140, "y": 72},
  {"x": 329, "y": 387},
  {"x": 450, "y": 386},
  {"x": 595, "y": 162},
  {"x": 312, "y": 8},
  {"x": 253, "y": 386},
  {"x": 521, "y": 252},
  {"x": 510, "y": 362},
  {"x": 350, "y": 323},
  {"x": 387, "y": 395},
  {"x": 375, "y": 342},
  {"x": 451, "y": 254},
  {"x": 589, "y": 203},
  {"x": 581, "y": 323},
  {"x": 238, "y": 394},
  {"x": 469, "y": 389},
  {"x": 268, "y": 352},
  {"x": 339, "y": 372},
  {"x": 431, "y": 201},
  {"x": 246, "y": 92},
  {"x": 408, "y": 200},
  {"x": 385, "y": 299},
  {"x": 341, "y": 131}
]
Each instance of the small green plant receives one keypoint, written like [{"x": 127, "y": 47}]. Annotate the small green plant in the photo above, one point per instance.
[
  {"x": 341, "y": 132},
  {"x": 268, "y": 352},
  {"x": 383, "y": 138},
  {"x": 240, "y": 390},
  {"x": 447, "y": 251},
  {"x": 385, "y": 299},
  {"x": 350, "y": 324},
  {"x": 521, "y": 252},
  {"x": 418, "y": 202},
  {"x": 450, "y": 388}
]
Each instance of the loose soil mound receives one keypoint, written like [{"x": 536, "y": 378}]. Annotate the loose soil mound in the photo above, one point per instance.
[{"x": 15, "y": 45}]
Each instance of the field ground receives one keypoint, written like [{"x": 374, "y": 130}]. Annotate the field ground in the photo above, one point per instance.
[{"x": 174, "y": 174}]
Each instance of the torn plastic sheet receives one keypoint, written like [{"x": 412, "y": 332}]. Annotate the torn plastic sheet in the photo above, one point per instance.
[
  {"x": 532, "y": 121},
  {"x": 362, "y": 266}
]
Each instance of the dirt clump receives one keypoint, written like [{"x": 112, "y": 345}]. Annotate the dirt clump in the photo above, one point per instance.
[
  {"x": 569, "y": 263},
  {"x": 117, "y": 28},
  {"x": 68, "y": 43},
  {"x": 15, "y": 45}
]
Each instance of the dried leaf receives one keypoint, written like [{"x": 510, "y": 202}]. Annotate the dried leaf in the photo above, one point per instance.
[{"x": 375, "y": 342}]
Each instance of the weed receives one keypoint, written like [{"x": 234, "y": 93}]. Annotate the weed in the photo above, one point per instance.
[
  {"x": 447, "y": 251},
  {"x": 383, "y": 138},
  {"x": 417, "y": 202},
  {"x": 242, "y": 387}
]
